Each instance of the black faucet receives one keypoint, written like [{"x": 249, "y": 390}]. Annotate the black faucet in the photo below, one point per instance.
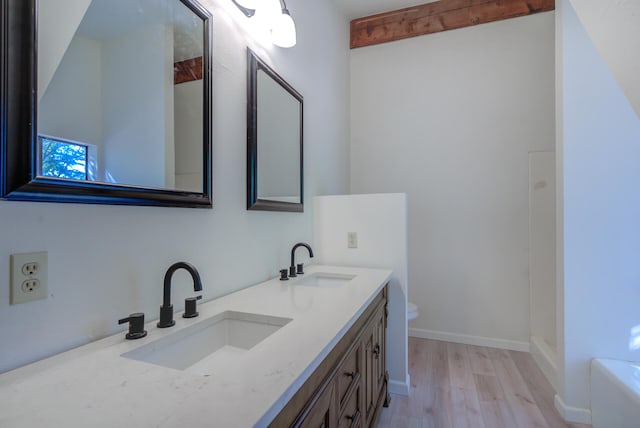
[
  {"x": 292, "y": 268},
  {"x": 166, "y": 310}
]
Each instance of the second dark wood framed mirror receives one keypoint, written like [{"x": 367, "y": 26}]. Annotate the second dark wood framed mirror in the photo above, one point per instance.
[{"x": 274, "y": 140}]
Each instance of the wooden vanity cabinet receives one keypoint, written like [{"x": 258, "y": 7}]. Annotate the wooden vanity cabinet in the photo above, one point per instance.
[
  {"x": 350, "y": 386},
  {"x": 375, "y": 374}
]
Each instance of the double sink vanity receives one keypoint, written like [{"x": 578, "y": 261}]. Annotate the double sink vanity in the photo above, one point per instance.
[{"x": 304, "y": 352}]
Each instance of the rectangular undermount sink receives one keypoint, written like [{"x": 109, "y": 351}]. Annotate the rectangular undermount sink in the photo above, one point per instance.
[
  {"x": 210, "y": 343},
  {"x": 325, "y": 279}
]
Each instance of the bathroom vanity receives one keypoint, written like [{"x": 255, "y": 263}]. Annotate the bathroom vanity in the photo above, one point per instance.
[
  {"x": 303, "y": 352},
  {"x": 350, "y": 386}
]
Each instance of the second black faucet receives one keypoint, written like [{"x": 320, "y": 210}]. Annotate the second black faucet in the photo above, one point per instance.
[{"x": 293, "y": 272}]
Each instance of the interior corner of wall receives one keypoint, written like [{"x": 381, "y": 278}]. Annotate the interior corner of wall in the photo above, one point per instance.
[
  {"x": 571, "y": 414},
  {"x": 400, "y": 286},
  {"x": 399, "y": 387}
]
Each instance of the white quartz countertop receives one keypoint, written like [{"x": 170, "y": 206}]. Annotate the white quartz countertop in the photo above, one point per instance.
[{"x": 94, "y": 386}]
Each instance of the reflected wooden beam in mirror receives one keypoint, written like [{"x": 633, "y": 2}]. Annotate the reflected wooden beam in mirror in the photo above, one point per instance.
[{"x": 187, "y": 70}]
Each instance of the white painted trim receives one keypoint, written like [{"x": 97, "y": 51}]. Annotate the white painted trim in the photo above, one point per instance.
[
  {"x": 491, "y": 342},
  {"x": 545, "y": 357},
  {"x": 399, "y": 388},
  {"x": 572, "y": 414}
]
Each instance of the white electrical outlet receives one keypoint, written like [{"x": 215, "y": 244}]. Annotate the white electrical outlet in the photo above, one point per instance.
[
  {"x": 352, "y": 239},
  {"x": 28, "y": 277},
  {"x": 30, "y": 285},
  {"x": 30, "y": 268}
]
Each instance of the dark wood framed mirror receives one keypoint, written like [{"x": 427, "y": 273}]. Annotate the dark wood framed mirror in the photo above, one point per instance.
[
  {"x": 274, "y": 140},
  {"x": 106, "y": 102}
]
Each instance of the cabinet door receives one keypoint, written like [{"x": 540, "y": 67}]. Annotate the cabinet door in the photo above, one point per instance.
[
  {"x": 322, "y": 413},
  {"x": 368, "y": 380},
  {"x": 379, "y": 363},
  {"x": 374, "y": 363}
]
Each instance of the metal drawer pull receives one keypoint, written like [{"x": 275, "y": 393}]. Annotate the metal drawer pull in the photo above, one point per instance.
[
  {"x": 351, "y": 374},
  {"x": 376, "y": 351},
  {"x": 354, "y": 418}
]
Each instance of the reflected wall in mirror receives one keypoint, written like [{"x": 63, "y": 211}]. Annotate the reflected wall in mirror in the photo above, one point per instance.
[
  {"x": 274, "y": 140},
  {"x": 122, "y": 101}
]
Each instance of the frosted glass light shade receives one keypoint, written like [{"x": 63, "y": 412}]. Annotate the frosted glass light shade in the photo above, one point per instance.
[
  {"x": 268, "y": 11},
  {"x": 283, "y": 33}
]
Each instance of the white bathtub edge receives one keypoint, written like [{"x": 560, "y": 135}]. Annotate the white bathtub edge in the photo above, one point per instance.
[
  {"x": 615, "y": 393},
  {"x": 616, "y": 370}
]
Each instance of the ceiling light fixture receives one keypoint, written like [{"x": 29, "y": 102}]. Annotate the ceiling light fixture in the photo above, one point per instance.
[
  {"x": 283, "y": 32},
  {"x": 283, "y": 29},
  {"x": 246, "y": 6}
]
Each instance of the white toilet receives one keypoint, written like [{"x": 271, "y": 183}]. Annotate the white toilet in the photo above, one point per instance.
[{"x": 412, "y": 311}]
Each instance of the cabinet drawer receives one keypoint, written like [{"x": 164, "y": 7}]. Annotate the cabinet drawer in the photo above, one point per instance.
[
  {"x": 322, "y": 412},
  {"x": 351, "y": 415},
  {"x": 349, "y": 373}
]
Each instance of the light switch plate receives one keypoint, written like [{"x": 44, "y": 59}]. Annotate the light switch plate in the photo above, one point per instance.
[
  {"x": 352, "y": 239},
  {"x": 28, "y": 277}
]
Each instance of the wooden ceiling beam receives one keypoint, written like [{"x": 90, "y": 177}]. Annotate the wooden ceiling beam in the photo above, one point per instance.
[{"x": 439, "y": 16}]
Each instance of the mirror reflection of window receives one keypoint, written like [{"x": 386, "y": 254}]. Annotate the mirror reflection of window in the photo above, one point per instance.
[
  {"x": 63, "y": 159},
  {"x": 111, "y": 74}
]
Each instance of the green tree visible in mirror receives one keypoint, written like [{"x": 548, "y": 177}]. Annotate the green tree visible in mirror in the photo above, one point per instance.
[{"x": 63, "y": 160}]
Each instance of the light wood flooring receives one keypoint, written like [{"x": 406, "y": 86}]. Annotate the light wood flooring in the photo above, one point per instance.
[{"x": 455, "y": 385}]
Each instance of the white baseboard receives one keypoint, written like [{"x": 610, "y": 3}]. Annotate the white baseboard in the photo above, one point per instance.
[
  {"x": 572, "y": 414},
  {"x": 398, "y": 387},
  {"x": 545, "y": 357},
  {"x": 512, "y": 345}
]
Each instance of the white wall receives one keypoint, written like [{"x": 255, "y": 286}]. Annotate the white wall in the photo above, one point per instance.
[
  {"x": 71, "y": 107},
  {"x": 598, "y": 224},
  {"x": 138, "y": 99},
  {"x": 188, "y": 135},
  {"x": 108, "y": 261},
  {"x": 56, "y": 30},
  {"x": 380, "y": 221},
  {"x": 277, "y": 144},
  {"x": 542, "y": 261},
  {"x": 452, "y": 126},
  {"x": 542, "y": 245},
  {"x": 613, "y": 27}
]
